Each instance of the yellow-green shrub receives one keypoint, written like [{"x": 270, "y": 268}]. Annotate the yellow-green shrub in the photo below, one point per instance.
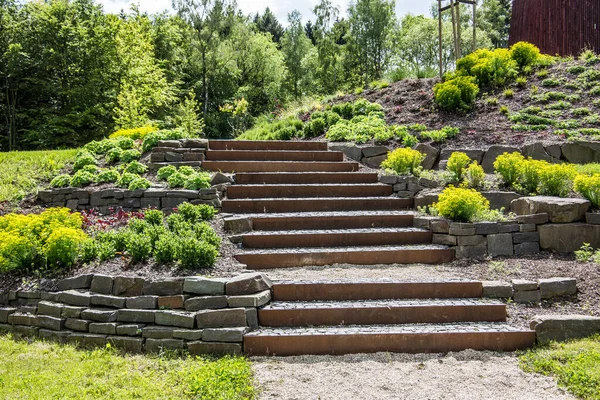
[
  {"x": 507, "y": 166},
  {"x": 489, "y": 67},
  {"x": 404, "y": 161},
  {"x": 457, "y": 163},
  {"x": 529, "y": 174},
  {"x": 62, "y": 247},
  {"x": 589, "y": 188},
  {"x": 525, "y": 54},
  {"x": 134, "y": 133},
  {"x": 456, "y": 93},
  {"x": 459, "y": 204},
  {"x": 474, "y": 175},
  {"x": 557, "y": 179}
]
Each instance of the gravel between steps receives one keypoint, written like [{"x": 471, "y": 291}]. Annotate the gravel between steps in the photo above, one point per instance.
[{"x": 464, "y": 375}]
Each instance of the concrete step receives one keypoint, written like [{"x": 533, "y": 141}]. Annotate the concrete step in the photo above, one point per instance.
[
  {"x": 378, "y": 312},
  {"x": 332, "y": 220},
  {"x": 314, "y": 190},
  {"x": 253, "y": 178},
  {"x": 335, "y": 237},
  {"x": 417, "y": 338},
  {"x": 274, "y": 155},
  {"x": 367, "y": 255},
  {"x": 374, "y": 290},
  {"x": 282, "y": 205},
  {"x": 279, "y": 166},
  {"x": 266, "y": 145}
]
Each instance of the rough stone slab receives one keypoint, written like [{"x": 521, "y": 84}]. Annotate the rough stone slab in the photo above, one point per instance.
[
  {"x": 127, "y": 344},
  {"x": 5, "y": 312},
  {"x": 187, "y": 334},
  {"x": 99, "y": 315},
  {"x": 214, "y": 348},
  {"x": 486, "y": 228},
  {"x": 497, "y": 289},
  {"x": 492, "y": 153},
  {"x": 27, "y": 331},
  {"x": 158, "y": 332},
  {"x": 527, "y": 248},
  {"x": 52, "y": 323},
  {"x": 104, "y": 328},
  {"x": 76, "y": 282},
  {"x": 158, "y": 345},
  {"x": 446, "y": 240},
  {"x": 592, "y": 218},
  {"x": 440, "y": 226},
  {"x": 49, "y": 296},
  {"x": 527, "y": 228},
  {"x": 426, "y": 197},
  {"x": 431, "y": 155},
  {"x": 232, "y": 317},
  {"x": 22, "y": 319},
  {"x": 500, "y": 244},
  {"x": 422, "y": 222},
  {"x": 127, "y": 286},
  {"x": 74, "y": 324},
  {"x": 557, "y": 287},
  {"x": 54, "y": 336},
  {"x": 581, "y": 152},
  {"x": 537, "y": 219},
  {"x": 171, "y": 302},
  {"x": 87, "y": 340},
  {"x": 164, "y": 287},
  {"x": 566, "y": 238},
  {"x": 175, "y": 318},
  {"x": 219, "y": 178},
  {"x": 248, "y": 284},
  {"x": 108, "y": 301},
  {"x": 374, "y": 151},
  {"x": 475, "y": 240},
  {"x": 27, "y": 309},
  {"x": 237, "y": 224},
  {"x": 461, "y": 229},
  {"x": 250, "y": 300},
  {"x": 373, "y": 162},
  {"x": 559, "y": 210},
  {"x": 204, "y": 286},
  {"x": 169, "y": 143},
  {"x": 206, "y": 303},
  {"x": 138, "y": 316},
  {"x": 29, "y": 294},
  {"x": 75, "y": 298},
  {"x": 224, "y": 334},
  {"x": 471, "y": 251},
  {"x": 564, "y": 327},
  {"x": 49, "y": 308},
  {"x": 524, "y": 284},
  {"x": 351, "y": 150},
  {"x": 142, "y": 302},
  {"x": 102, "y": 284},
  {"x": 523, "y": 237},
  {"x": 252, "y": 318},
  {"x": 527, "y": 296},
  {"x": 537, "y": 151},
  {"x": 130, "y": 329},
  {"x": 72, "y": 311},
  {"x": 388, "y": 179}
]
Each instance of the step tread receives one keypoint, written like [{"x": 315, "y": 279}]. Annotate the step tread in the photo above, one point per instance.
[
  {"x": 320, "y": 185},
  {"x": 276, "y": 162},
  {"x": 468, "y": 327},
  {"x": 326, "y": 214},
  {"x": 383, "y": 281},
  {"x": 393, "y": 303},
  {"x": 308, "y": 250},
  {"x": 334, "y": 231},
  {"x": 376, "y": 198},
  {"x": 306, "y": 172}
]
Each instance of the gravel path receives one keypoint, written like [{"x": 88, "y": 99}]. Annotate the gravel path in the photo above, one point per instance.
[{"x": 464, "y": 375}]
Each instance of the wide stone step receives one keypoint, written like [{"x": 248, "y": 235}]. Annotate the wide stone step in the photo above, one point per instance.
[
  {"x": 250, "y": 178},
  {"x": 274, "y": 155},
  {"x": 279, "y": 166},
  {"x": 335, "y": 237},
  {"x": 266, "y": 145},
  {"x": 332, "y": 220},
  {"x": 377, "y": 312},
  {"x": 417, "y": 338},
  {"x": 374, "y": 290},
  {"x": 315, "y": 204},
  {"x": 367, "y": 255},
  {"x": 315, "y": 190}
]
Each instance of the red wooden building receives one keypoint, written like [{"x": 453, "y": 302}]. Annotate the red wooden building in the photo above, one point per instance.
[{"x": 563, "y": 27}]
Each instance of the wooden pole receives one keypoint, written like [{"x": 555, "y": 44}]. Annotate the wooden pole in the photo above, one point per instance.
[
  {"x": 453, "y": 28},
  {"x": 440, "y": 34},
  {"x": 458, "y": 29},
  {"x": 474, "y": 26}
]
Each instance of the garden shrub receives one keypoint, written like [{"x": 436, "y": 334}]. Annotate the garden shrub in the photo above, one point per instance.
[
  {"x": 84, "y": 158},
  {"x": 194, "y": 213},
  {"x": 134, "y": 133},
  {"x": 455, "y": 94},
  {"x": 197, "y": 181},
  {"x": 186, "y": 170},
  {"x": 315, "y": 127},
  {"x": 108, "y": 176},
  {"x": 284, "y": 129},
  {"x": 82, "y": 178},
  {"x": 126, "y": 178},
  {"x": 63, "y": 180},
  {"x": 205, "y": 233},
  {"x": 404, "y": 161},
  {"x": 194, "y": 253},
  {"x": 489, "y": 67},
  {"x": 461, "y": 205},
  {"x": 165, "y": 172},
  {"x": 166, "y": 248},
  {"x": 417, "y": 127},
  {"x": 507, "y": 166},
  {"x": 557, "y": 179},
  {"x": 529, "y": 175},
  {"x": 88, "y": 250},
  {"x": 136, "y": 167},
  {"x": 344, "y": 110},
  {"x": 154, "y": 217},
  {"x": 139, "y": 247},
  {"x": 125, "y": 143},
  {"x": 474, "y": 175},
  {"x": 525, "y": 54},
  {"x": 589, "y": 188},
  {"x": 457, "y": 163},
  {"x": 576, "y": 69},
  {"x": 139, "y": 183},
  {"x": 152, "y": 138},
  {"x": 113, "y": 155},
  {"x": 62, "y": 247},
  {"x": 130, "y": 155},
  {"x": 177, "y": 180}
]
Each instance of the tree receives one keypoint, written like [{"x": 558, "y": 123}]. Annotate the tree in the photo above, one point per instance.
[
  {"x": 494, "y": 18},
  {"x": 295, "y": 46},
  {"x": 309, "y": 31},
  {"x": 268, "y": 23},
  {"x": 187, "y": 115},
  {"x": 328, "y": 49},
  {"x": 371, "y": 25}
]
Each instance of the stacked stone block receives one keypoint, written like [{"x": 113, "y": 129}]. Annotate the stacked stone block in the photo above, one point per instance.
[
  {"x": 527, "y": 291},
  {"x": 189, "y": 152}
]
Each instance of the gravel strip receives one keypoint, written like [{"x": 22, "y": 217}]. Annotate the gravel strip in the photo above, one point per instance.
[{"x": 464, "y": 375}]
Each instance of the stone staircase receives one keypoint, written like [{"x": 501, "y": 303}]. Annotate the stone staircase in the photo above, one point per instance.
[{"x": 309, "y": 207}]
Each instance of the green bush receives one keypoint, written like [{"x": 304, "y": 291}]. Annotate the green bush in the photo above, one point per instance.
[
  {"x": 166, "y": 248},
  {"x": 315, "y": 127},
  {"x": 154, "y": 217},
  {"x": 82, "y": 178},
  {"x": 525, "y": 54},
  {"x": 557, "y": 180},
  {"x": 136, "y": 167},
  {"x": 165, "y": 172},
  {"x": 456, "y": 94},
  {"x": 589, "y": 188},
  {"x": 530, "y": 175},
  {"x": 139, "y": 247},
  {"x": 62, "y": 247},
  {"x": 404, "y": 161},
  {"x": 509, "y": 93},
  {"x": 417, "y": 127},
  {"x": 507, "y": 166},
  {"x": 186, "y": 170},
  {"x": 489, "y": 67},
  {"x": 108, "y": 176},
  {"x": 284, "y": 129},
  {"x": 88, "y": 250},
  {"x": 194, "y": 253},
  {"x": 194, "y": 213},
  {"x": 113, "y": 155},
  {"x": 551, "y": 82},
  {"x": 152, "y": 138},
  {"x": 474, "y": 175},
  {"x": 576, "y": 69},
  {"x": 84, "y": 158},
  {"x": 197, "y": 181},
  {"x": 460, "y": 204},
  {"x": 130, "y": 155},
  {"x": 457, "y": 163},
  {"x": 139, "y": 183},
  {"x": 63, "y": 180},
  {"x": 205, "y": 233},
  {"x": 126, "y": 179},
  {"x": 125, "y": 143}
]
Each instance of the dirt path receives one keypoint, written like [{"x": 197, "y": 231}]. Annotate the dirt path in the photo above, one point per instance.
[{"x": 464, "y": 375}]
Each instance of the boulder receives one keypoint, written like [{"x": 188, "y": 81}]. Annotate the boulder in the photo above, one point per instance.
[
  {"x": 102, "y": 284},
  {"x": 554, "y": 151},
  {"x": 564, "y": 327},
  {"x": 126, "y": 286},
  {"x": 374, "y": 151},
  {"x": 204, "y": 286},
  {"x": 351, "y": 150},
  {"x": 237, "y": 224},
  {"x": 527, "y": 296},
  {"x": 500, "y": 200},
  {"x": 431, "y": 155},
  {"x": 164, "y": 287},
  {"x": 559, "y": 210},
  {"x": 557, "y": 287},
  {"x": 426, "y": 197},
  {"x": 373, "y": 162},
  {"x": 581, "y": 152},
  {"x": 566, "y": 238},
  {"x": 76, "y": 282},
  {"x": 248, "y": 284},
  {"x": 537, "y": 151},
  {"x": 492, "y": 153},
  {"x": 500, "y": 244},
  {"x": 220, "y": 178}
]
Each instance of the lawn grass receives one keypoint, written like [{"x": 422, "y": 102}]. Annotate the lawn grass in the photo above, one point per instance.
[
  {"x": 21, "y": 172},
  {"x": 575, "y": 364},
  {"x": 42, "y": 370}
]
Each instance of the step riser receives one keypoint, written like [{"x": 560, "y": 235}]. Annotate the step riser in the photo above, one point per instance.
[
  {"x": 279, "y": 166},
  {"x": 266, "y": 145},
  {"x": 283, "y": 206},
  {"x": 341, "y": 222},
  {"x": 261, "y": 155},
  {"x": 397, "y": 343},
  {"x": 270, "y": 192},
  {"x": 274, "y": 260},
  {"x": 336, "y": 240},
  {"x": 375, "y": 291},
  {"x": 382, "y": 315},
  {"x": 304, "y": 178}
]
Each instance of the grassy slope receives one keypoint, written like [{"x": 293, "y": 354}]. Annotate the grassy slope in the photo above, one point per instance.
[
  {"x": 46, "y": 371},
  {"x": 24, "y": 171},
  {"x": 576, "y": 365}
]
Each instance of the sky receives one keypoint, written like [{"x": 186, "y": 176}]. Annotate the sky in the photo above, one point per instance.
[{"x": 280, "y": 8}]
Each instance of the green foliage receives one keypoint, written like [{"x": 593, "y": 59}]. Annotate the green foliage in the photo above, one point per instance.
[
  {"x": 136, "y": 167},
  {"x": 489, "y": 67},
  {"x": 417, "y": 127},
  {"x": 113, "y": 155},
  {"x": 492, "y": 101},
  {"x": 139, "y": 183},
  {"x": 576, "y": 69},
  {"x": 457, "y": 163},
  {"x": 559, "y": 105},
  {"x": 126, "y": 178},
  {"x": 110, "y": 175},
  {"x": 62, "y": 247},
  {"x": 557, "y": 180},
  {"x": 315, "y": 127},
  {"x": 440, "y": 135},
  {"x": 195, "y": 254},
  {"x": 404, "y": 161},
  {"x": 521, "y": 81},
  {"x": 130, "y": 155},
  {"x": 284, "y": 129},
  {"x": 525, "y": 54},
  {"x": 137, "y": 133},
  {"x": 551, "y": 82},
  {"x": 165, "y": 172},
  {"x": 504, "y": 110},
  {"x": 139, "y": 247},
  {"x": 507, "y": 166},
  {"x": 585, "y": 253},
  {"x": 177, "y": 180},
  {"x": 83, "y": 158},
  {"x": 151, "y": 139},
  {"x": 187, "y": 118},
  {"x": 154, "y": 217},
  {"x": 508, "y": 93},
  {"x": 59, "y": 181},
  {"x": 461, "y": 205},
  {"x": 542, "y": 74},
  {"x": 196, "y": 213},
  {"x": 82, "y": 178},
  {"x": 589, "y": 188},
  {"x": 474, "y": 175},
  {"x": 456, "y": 94},
  {"x": 166, "y": 249},
  {"x": 197, "y": 181}
]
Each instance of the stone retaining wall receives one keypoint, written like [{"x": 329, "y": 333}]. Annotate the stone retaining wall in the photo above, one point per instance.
[
  {"x": 198, "y": 314},
  {"x": 525, "y": 291}
]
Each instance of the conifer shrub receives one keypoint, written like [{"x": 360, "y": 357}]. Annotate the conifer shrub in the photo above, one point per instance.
[{"x": 460, "y": 204}]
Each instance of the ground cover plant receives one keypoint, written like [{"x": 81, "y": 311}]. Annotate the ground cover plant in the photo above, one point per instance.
[
  {"x": 575, "y": 364},
  {"x": 48, "y": 370}
]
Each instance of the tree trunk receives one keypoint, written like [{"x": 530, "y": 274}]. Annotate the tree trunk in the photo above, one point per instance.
[{"x": 204, "y": 84}]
